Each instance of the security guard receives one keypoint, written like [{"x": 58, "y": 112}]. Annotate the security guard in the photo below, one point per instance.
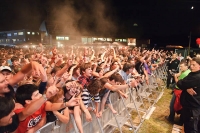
[{"x": 190, "y": 97}]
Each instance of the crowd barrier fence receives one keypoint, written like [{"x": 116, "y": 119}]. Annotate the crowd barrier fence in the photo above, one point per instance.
[{"x": 131, "y": 111}]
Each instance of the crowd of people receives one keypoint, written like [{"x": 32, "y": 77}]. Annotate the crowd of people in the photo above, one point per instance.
[{"x": 42, "y": 85}]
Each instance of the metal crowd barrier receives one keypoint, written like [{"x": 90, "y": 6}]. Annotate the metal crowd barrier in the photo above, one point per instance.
[{"x": 131, "y": 111}]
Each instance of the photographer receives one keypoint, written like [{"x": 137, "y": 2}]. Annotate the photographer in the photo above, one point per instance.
[{"x": 172, "y": 68}]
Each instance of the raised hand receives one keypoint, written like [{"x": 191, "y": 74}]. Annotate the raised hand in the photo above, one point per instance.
[
  {"x": 36, "y": 68},
  {"x": 51, "y": 91},
  {"x": 133, "y": 83},
  {"x": 88, "y": 116},
  {"x": 65, "y": 76},
  {"x": 43, "y": 74},
  {"x": 73, "y": 102}
]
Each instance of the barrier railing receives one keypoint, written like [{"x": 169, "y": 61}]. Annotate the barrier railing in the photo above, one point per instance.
[{"x": 131, "y": 111}]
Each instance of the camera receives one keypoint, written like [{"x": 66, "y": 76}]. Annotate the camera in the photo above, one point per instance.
[{"x": 172, "y": 72}]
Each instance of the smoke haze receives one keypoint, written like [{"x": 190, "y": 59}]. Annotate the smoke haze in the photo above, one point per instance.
[
  {"x": 74, "y": 17},
  {"x": 83, "y": 17}
]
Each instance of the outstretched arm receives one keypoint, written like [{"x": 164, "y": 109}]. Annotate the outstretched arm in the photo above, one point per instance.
[
  {"x": 111, "y": 72},
  {"x": 34, "y": 106},
  {"x": 35, "y": 67}
]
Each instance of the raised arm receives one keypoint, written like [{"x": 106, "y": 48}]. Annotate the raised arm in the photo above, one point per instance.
[
  {"x": 62, "y": 71},
  {"x": 92, "y": 56},
  {"x": 120, "y": 87},
  {"x": 57, "y": 106},
  {"x": 35, "y": 67},
  {"x": 94, "y": 73},
  {"x": 111, "y": 72},
  {"x": 102, "y": 55},
  {"x": 114, "y": 53},
  {"x": 104, "y": 64},
  {"x": 71, "y": 71},
  {"x": 34, "y": 106}
]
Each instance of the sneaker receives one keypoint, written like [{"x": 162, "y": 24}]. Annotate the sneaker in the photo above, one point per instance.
[{"x": 170, "y": 121}]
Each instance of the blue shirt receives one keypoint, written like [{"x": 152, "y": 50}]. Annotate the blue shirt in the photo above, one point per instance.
[{"x": 124, "y": 75}]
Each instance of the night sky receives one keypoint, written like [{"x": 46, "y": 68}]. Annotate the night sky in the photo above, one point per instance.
[{"x": 163, "y": 21}]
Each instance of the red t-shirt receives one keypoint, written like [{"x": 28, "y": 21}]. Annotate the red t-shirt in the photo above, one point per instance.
[{"x": 32, "y": 120}]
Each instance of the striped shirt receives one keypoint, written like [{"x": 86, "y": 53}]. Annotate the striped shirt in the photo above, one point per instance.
[{"x": 87, "y": 97}]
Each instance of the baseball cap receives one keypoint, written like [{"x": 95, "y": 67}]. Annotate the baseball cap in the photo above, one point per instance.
[{"x": 5, "y": 68}]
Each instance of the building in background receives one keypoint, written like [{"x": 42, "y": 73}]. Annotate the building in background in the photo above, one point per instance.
[
  {"x": 31, "y": 38},
  {"x": 17, "y": 37}
]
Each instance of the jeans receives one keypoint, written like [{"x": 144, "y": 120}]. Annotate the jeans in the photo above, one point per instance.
[
  {"x": 171, "y": 107},
  {"x": 170, "y": 79}
]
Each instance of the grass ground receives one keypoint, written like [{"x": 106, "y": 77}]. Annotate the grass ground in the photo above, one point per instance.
[{"x": 156, "y": 123}]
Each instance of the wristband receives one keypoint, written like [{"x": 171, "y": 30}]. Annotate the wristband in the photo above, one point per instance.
[{"x": 45, "y": 97}]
